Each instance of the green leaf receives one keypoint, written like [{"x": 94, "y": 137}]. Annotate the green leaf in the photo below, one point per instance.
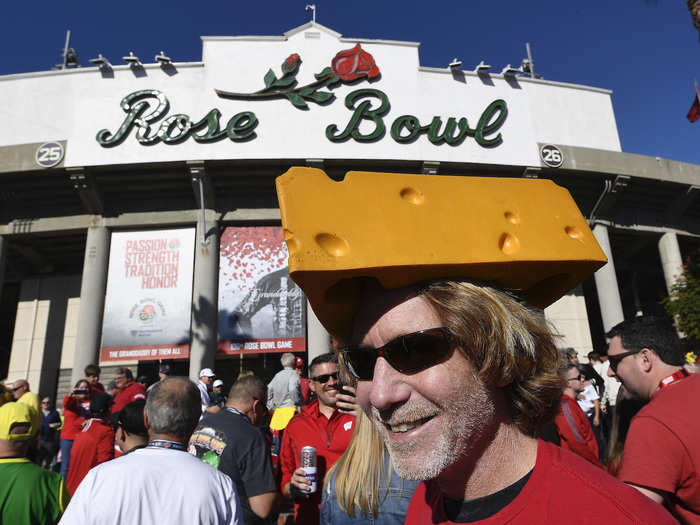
[
  {"x": 323, "y": 73},
  {"x": 322, "y": 96},
  {"x": 270, "y": 77},
  {"x": 333, "y": 81},
  {"x": 295, "y": 99},
  {"x": 305, "y": 92},
  {"x": 284, "y": 82}
]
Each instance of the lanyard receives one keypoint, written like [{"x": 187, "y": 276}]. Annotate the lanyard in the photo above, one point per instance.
[
  {"x": 163, "y": 443},
  {"x": 676, "y": 376}
]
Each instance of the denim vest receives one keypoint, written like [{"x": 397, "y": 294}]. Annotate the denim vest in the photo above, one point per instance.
[{"x": 392, "y": 508}]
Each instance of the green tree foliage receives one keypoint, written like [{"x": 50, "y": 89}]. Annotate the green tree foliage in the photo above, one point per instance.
[{"x": 683, "y": 303}]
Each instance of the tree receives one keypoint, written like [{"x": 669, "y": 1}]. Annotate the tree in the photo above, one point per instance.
[
  {"x": 694, "y": 8},
  {"x": 683, "y": 303}
]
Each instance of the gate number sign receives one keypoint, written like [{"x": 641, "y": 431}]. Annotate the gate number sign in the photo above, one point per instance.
[
  {"x": 552, "y": 156},
  {"x": 49, "y": 154}
]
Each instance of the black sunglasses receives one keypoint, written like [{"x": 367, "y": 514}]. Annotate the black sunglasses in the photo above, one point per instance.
[
  {"x": 615, "y": 359},
  {"x": 407, "y": 354},
  {"x": 324, "y": 378}
]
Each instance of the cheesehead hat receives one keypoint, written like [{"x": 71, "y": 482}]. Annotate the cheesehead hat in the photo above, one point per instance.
[
  {"x": 13, "y": 414},
  {"x": 524, "y": 235}
]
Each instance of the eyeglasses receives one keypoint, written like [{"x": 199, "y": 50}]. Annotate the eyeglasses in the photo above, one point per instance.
[
  {"x": 407, "y": 354},
  {"x": 615, "y": 359},
  {"x": 324, "y": 378}
]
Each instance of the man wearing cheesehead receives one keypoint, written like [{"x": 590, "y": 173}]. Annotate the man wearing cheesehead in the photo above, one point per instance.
[{"x": 436, "y": 291}]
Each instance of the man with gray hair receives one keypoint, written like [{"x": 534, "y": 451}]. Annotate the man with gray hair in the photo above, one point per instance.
[
  {"x": 160, "y": 483},
  {"x": 284, "y": 389}
]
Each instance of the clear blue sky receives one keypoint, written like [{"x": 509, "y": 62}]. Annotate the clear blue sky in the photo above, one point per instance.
[{"x": 646, "y": 52}]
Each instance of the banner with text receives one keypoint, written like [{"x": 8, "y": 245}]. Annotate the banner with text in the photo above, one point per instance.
[
  {"x": 260, "y": 308},
  {"x": 149, "y": 295}
]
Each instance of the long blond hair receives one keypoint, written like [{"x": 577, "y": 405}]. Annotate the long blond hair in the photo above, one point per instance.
[{"x": 359, "y": 471}]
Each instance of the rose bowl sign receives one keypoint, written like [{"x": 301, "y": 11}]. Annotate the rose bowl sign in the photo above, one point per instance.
[{"x": 368, "y": 106}]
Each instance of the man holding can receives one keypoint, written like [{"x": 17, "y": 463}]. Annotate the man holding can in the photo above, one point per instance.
[
  {"x": 436, "y": 291},
  {"x": 320, "y": 426}
]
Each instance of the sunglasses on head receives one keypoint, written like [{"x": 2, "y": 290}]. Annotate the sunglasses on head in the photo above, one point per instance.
[
  {"x": 324, "y": 378},
  {"x": 407, "y": 354}
]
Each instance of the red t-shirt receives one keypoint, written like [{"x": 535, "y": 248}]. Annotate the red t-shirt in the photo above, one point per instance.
[
  {"x": 662, "y": 449},
  {"x": 94, "y": 445},
  {"x": 563, "y": 488},
  {"x": 575, "y": 432},
  {"x": 330, "y": 437},
  {"x": 74, "y": 414},
  {"x": 131, "y": 392}
]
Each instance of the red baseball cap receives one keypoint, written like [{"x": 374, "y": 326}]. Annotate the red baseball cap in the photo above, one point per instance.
[{"x": 300, "y": 362}]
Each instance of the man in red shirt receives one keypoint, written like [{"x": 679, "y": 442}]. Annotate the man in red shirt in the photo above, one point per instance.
[
  {"x": 94, "y": 445},
  {"x": 321, "y": 425},
  {"x": 573, "y": 427},
  {"x": 662, "y": 448},
  {"x": 129, "y": 390},
  {"x": 457, "y": 372}
]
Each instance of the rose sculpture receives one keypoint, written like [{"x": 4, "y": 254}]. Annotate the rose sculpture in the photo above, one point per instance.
[
  {"x": 354, "y": 63},
  {"x": 347, "y": 66}
]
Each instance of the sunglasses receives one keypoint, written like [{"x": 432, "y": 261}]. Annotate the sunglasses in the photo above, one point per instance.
[
  {"x": 577, "y": 378},
  {"x": 615, "y": 359},
  {"x": 407, "y": 354},
  {"x": 324, "y": 378}
]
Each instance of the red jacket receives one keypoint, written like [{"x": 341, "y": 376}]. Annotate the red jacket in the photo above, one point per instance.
[
  {"x": 330, "y": 437},
  {"x": 131, "y": 392},
  {"x": 575, "y": 432},
  {"x": 74, "y": 414},
  {"x": 94, "y": 445}
]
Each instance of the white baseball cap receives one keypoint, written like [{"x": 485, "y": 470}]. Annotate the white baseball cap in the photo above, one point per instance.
[
  {"x": 218, "y": 382},
  {"x": 206, "y": 372}
]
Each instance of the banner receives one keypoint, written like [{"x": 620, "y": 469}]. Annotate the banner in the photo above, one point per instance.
[
  {"x": 260, "y": 308},
  {"x": 148, "y": 303}
]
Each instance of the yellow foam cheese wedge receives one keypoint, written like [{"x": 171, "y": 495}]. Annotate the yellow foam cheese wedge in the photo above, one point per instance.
[{"x": 521, "y": 234}]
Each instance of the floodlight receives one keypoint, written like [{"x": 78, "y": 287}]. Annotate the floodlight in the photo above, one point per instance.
[
  {"x": 101, "y": 62},
  {"x": 482, "y": 68},
  {"x": 455, "y": 63},
  {"x": 132, "y": 60},
  {"x": 163, "y": 59}
]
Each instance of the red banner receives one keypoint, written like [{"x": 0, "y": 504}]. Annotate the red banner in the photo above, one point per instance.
[
  {"x": 144, "y": 353},
  {"x": 262, "y": 346}
]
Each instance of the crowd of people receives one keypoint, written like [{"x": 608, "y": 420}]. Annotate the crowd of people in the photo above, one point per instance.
[{"x": 448, "y": 428}]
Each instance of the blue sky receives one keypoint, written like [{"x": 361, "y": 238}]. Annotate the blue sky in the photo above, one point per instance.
[{"x": 646, "y": 52}]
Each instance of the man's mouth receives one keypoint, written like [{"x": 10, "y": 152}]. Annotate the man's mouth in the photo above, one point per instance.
[{"x": 400, "y": 428}]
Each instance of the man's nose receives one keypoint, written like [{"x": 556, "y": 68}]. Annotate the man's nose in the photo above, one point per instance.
[{"x": 388, "y": 386}]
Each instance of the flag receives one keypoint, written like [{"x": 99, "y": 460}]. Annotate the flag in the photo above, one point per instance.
[{"x": 694, "y": 113}]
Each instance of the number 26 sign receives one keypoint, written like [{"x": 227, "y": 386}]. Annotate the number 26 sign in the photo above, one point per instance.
[{"x": 551, "y": 156}]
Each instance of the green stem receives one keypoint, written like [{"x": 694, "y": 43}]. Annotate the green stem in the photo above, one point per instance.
[{"x": 265, "y": 94}]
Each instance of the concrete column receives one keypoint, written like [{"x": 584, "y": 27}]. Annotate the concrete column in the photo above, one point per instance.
[
  {"x": 205, "y": 303},
  {"x": 671, "y": 259},
  {"x": 92, "y": 300},
  {"x": 319, "y": 342},
  {"x": 606, "y": 283}
]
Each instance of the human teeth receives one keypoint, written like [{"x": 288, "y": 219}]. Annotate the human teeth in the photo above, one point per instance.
[{"x": 402, "y": 428}]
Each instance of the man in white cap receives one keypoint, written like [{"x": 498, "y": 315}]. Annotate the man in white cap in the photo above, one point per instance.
[
  {"x": 218, "y": 396},
  {"x": 206, "y": 378}
]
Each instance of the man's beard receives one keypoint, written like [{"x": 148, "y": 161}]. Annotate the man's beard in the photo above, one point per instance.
[{"x": 463, "y": 418}]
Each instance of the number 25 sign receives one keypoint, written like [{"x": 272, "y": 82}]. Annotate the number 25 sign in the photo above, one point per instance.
[{"x": 49, "y": 154}]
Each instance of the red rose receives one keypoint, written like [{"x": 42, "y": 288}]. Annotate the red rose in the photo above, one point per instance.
[
  {"x": 354, "y": 63},
  {"x": 291, "y": 63}
]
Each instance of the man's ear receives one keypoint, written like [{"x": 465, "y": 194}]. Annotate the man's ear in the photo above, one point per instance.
[
  {"x": 647, "y": 359},
  {"x": 119, "y": 434},
  {"x": 145, "y": 420}
]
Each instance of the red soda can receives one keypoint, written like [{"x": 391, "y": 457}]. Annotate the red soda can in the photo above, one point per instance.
[{"x": 308, "y": 465}]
